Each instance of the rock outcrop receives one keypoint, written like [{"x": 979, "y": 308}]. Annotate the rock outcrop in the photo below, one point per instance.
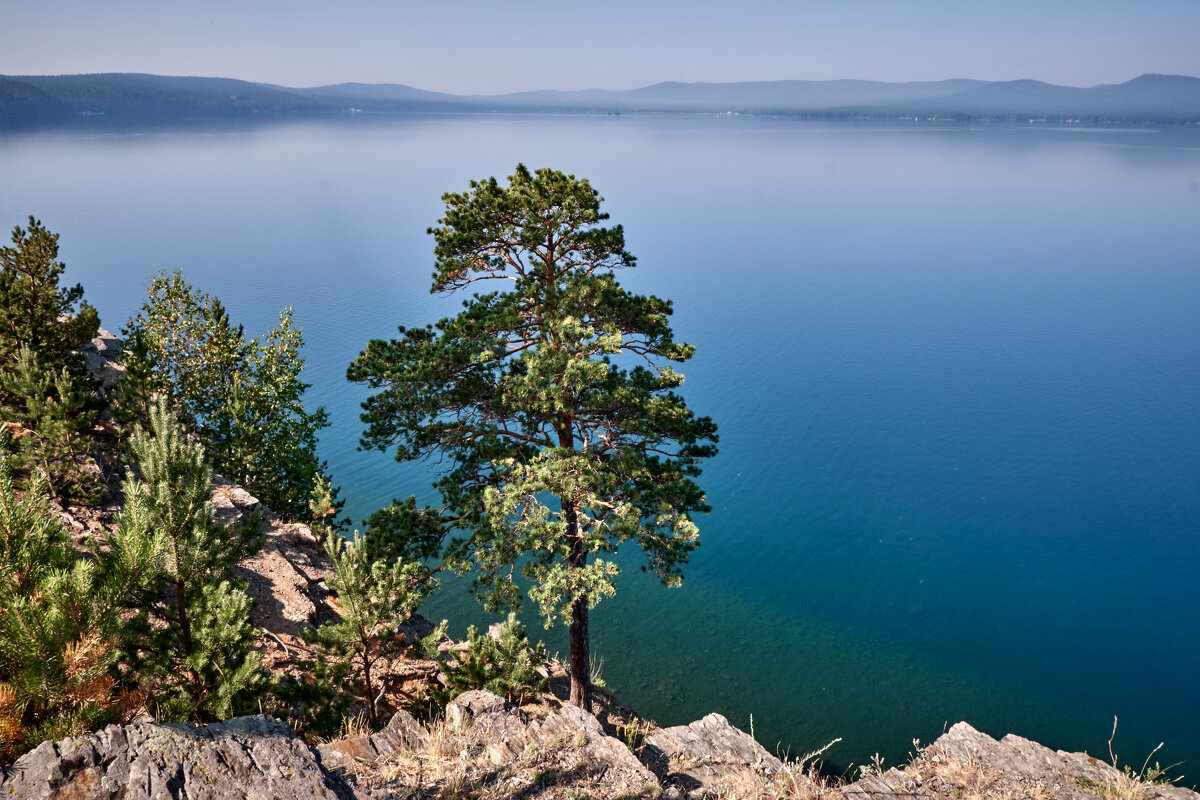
[
  {"x": 286, "y": 579},
  {"x": 487, "y": 749},
  {"x": 709, "y": 756},
  {"x": 102, "y": 355},
  {"x": 496, "y": 749},
  {"x": 249, "y": 757},
  {"x": 403, "y": 733},
  {"x": 964, "y": 762}
]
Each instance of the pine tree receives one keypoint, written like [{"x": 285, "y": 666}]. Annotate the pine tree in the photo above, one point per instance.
[
  {"x": 504, "y": 664},
  {"x": 55, "y": 416},
  {"x": 45, "y": 392},
  {"x": 375, "y": 596},
  {"x": 58, "y": 625},
  {"x": 552, "y": 404},
  {"x": 51, "y": 321},
  {"x": 190, "y": 642}
]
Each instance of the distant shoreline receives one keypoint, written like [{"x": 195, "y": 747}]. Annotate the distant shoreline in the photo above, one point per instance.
[
  {"x": 130, "y": 98},
  {"x": 103, "y": 123}
]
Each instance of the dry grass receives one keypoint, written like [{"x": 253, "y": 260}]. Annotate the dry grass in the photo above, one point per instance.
[
  {"x": 10, "y": 724},
  {"x": 793, "y": 782},
  {"x": 459, "y": 763},
  {"x": 355, "y": 726},
  {"x": 798, "y": 779},
  {"x": 941, "y": 775},
  {"x": 444, "y": 768},
  {"x": 1123, "y": 783}
]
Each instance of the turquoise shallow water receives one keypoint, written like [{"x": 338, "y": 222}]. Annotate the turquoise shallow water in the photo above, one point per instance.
[{"x": 955, "y": 370}]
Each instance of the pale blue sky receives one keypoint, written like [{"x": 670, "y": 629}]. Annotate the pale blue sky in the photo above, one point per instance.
[{"x": 489, "y": 46}]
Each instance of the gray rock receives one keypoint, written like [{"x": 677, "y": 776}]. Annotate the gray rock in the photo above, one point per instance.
[
  {"x": 403, "y": 732},
  {"x": 250, "y": 757},
  {"x": 965, "y": 762},
  {"x": 414, "y": 628},
  {"x": 597, "y": 749},
  {"x": 506, "y": 733},
  {"x": 469, "y": 705},
  {"x": 102, "y": 355},
  {"x": 891, "y": 784},
  {"x": 702, "y": 756}
]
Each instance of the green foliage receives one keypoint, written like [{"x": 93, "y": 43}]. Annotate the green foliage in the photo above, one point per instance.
[
  {"x": 1131, "y": 784},
  {"x": 553, "y": 403},
  {"x": 313, "y": 701},
  {"x": 55, "y": 416},
  {"x": 44, "y": 386},
  {"x": 376, "y": 595},
  {"x": 505, "y": 665},
  {"x": 51, "y": 321},
  {"x": 189, "y": 643},
  {"x": 57, "y": 625},
  {"x": 404, "y": 530},
  {"x": 241, "y": 396}
]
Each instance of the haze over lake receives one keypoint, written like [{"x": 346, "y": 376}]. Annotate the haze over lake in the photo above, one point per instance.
[{"x": 955, "y": 371}]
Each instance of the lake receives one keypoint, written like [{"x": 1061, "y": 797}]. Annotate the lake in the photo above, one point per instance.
[{"x": 955, "y": 369}]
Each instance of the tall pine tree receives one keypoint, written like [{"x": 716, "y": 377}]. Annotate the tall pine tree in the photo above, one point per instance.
[{"x": 553, "y": 404}]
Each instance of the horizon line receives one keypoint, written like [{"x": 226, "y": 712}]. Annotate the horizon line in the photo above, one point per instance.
[{"x": 592, "y": 89}]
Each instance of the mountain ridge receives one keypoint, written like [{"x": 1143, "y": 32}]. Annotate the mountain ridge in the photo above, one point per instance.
[{"x": 1152, "y": 98}]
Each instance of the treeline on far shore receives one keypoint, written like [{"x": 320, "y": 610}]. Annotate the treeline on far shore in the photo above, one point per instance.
[{"x": 132, "y": 98}]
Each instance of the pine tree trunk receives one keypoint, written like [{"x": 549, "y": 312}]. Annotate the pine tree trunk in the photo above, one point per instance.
[
  {"x": 580, "y": 643},
  {"x": 581, "y": 667},
  {"x": 366, "y": 660},
  {"x": 181, "y": 611},
  {"x": 581, "y": 671}
]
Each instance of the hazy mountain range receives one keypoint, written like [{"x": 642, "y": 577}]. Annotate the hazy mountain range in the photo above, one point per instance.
[{"x": 1149, "y": 98}]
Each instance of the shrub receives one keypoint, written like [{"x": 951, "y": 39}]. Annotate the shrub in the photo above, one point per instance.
[
  {"x": 242, "y": 397},
  {"x": 505, "y": 665}
]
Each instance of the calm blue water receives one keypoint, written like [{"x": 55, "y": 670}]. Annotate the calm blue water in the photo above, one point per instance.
[{"x": 956, "y": 374}]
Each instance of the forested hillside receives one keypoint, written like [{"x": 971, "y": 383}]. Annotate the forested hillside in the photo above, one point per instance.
[{"x": 1163, "y": 99}]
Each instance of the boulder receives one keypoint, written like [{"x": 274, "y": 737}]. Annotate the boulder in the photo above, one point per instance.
[
  {"x": 600, "y": 752},
  {"x": 485, "y": 741},
  {"x": 706, "y": 756},
  {"x": 475, "y": 703}
]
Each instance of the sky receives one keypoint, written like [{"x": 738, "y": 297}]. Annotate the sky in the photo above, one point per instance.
[{"x": 496, "y": 46}]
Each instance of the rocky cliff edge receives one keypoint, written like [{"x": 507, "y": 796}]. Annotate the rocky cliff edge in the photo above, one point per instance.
[{"x": 487, "y": 749}]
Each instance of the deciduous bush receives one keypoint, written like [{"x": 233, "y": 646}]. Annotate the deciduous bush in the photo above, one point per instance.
[{"x": 242, "y": 397}]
